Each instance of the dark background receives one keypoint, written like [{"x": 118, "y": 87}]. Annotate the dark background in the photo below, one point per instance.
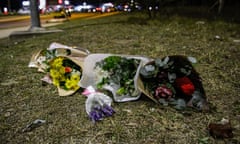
[
  {"x": 16, "y": 4},
  {"x": 230, "y": 9}
]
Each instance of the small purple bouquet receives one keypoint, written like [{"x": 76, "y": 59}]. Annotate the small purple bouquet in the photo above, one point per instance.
[
  {"x": 99, "y": 112},
  {"x": 98, "y": 105}
]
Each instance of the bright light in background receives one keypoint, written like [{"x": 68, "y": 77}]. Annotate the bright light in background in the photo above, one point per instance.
[
  {"x": 108, "y": 4},
  {"x": 105, "y": 7},
  {"x": 60, "y": 1},
  {"x": 42, "y": 4},
  {"x": 26, "y": 3},
  {"x": 66, "y": 2},
  {"x": 5, "y": 10}
]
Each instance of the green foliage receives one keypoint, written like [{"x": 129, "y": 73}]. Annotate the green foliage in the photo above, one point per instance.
[{"x": 121, "y": 72}]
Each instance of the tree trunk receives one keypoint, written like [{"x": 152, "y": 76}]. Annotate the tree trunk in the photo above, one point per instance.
[{"x": 35, "y": 18}]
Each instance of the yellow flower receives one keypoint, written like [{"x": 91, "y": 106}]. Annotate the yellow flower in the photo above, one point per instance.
[
  {"x": 54, "y": 73},
  {"x": 56, "y": 82},
  {"x": 75, "y": 77},
  {"x": 61, "y": 70},
  {"x": 70, "y": 84},
  {"x": 76, "y": 87},
  {"x": 57, "y": 62},
  {"x": 59, "y": 76}
]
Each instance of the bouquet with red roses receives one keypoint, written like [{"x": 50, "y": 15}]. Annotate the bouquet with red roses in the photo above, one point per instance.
[{"x": 173, "y": 80}]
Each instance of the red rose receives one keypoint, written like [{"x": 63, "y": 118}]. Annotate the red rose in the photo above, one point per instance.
[
  {"x": 68, "y": 69},
  {"x": 185, "y": 85}
]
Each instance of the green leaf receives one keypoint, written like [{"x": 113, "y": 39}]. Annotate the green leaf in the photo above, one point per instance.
[
  {"x": 121, "y": 91},
  {"x": 203, "y": 140}
]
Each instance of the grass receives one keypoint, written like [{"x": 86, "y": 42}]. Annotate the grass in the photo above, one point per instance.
[{"x": 24, "y": 98}]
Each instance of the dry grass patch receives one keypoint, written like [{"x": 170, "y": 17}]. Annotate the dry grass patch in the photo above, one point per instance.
[{"x": 24, "y": 99}]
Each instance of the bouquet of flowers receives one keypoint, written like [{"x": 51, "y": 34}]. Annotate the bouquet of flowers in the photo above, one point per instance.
[
  {"x": 118, "y": 74},
  {"x": 98, "y": 105},
  {"x": 174, "y": 81},
  {"x": 62, "y": 65}
]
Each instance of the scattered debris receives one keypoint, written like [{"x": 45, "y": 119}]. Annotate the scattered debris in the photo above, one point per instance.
[
  {"x": 217, "y": 37},
  {"x": 236, "y": 40},
  {"x": 33, "y": 125},
  {"x": 222, "y": 129},
  {"x": 200, "y": 22},
  {"x": 132, "y": 124},
  {"x": 127, "y": 110},
  {"x": 7, "y": 114}
]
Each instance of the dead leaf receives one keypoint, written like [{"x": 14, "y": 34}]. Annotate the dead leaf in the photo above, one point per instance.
[{"x": 220, "y": 130}]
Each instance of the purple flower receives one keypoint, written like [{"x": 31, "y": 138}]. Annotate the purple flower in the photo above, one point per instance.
[
  {"x": 99, "y": 112},
  {"x": 108, "y": 111},
  {"x": 95, "y": 116}
]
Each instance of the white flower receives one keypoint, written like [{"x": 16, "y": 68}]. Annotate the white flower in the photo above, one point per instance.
[{"x": 100, "y": 74}]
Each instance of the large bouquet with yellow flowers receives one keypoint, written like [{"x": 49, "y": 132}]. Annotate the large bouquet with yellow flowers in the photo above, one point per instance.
[
  {"x": 65, "y": 73},
  {"x": 62, "y": 65}
]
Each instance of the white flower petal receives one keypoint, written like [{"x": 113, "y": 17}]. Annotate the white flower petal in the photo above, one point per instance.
[{"x": 192, "y": 59}]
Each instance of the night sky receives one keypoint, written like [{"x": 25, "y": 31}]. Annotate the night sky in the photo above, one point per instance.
[{"x": 17, "y": 4}]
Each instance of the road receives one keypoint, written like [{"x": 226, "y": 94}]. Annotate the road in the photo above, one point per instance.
[
  {"x": 9, "y": 24},
  {"x": 24, "y": 20}
]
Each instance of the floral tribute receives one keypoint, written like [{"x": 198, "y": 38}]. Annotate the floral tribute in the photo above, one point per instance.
[
  {"x": 171, "y": 80},
  {"x": 61, "y": 67},
  {"x": 174, "y": 81},
  {"x": 98, "y": 105},
  {"x": 64, "y": 73},
  {"x": 61, "y": 70},
  {"x": 118, "y": 71}
]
